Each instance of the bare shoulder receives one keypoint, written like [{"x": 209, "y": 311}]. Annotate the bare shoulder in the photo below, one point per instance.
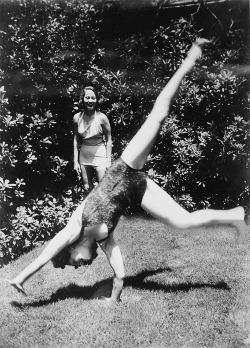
[
  {"x": 102, "y": 117},
  {"x": 76, "y": 117}
]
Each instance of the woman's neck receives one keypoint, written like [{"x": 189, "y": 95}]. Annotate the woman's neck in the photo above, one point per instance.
[{"x": 88, "y": 114}]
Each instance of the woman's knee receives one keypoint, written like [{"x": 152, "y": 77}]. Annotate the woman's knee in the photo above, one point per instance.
[
  {"x": 87, "y": 175},
  {"x": 195, "y": 219},
  {"x": 182, "y": 221},
  {"x": 100, "y": 171}
]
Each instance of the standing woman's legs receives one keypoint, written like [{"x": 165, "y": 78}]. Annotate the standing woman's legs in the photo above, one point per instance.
[
  {"x": 136, "y": 153},
  {"x": 87, "y": 177},
  {"x": 100, "y": 171}
]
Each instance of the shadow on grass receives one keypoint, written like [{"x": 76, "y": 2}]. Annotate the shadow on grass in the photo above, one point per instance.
[{"x": 104, "y": 288}]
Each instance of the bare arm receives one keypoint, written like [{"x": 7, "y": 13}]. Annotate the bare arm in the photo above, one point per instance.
[
  {"x": 107, "y": 133},
  {"x": 76, "y": 143},
  {"x": 113, "y": 253},
  {"x": 65, "y": 237}
]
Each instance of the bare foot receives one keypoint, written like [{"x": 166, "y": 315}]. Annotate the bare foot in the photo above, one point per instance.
[
  {"x": 201, "y": 42},
  {"x": 242, "y": 231},
  {"x": 247, "y": 216},
  {"x": 196, "y": 49},
  {"x": 17, "y": 286}
]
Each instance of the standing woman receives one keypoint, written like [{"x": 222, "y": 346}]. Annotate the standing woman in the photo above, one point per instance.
[{"x": 92, "y": 139}]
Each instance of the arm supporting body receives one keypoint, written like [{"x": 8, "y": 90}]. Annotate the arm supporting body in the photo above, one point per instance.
[
  {"x": 76, "y": 144},
  {"x": 107, "y": 133},
  {"x": 68, "y": 235},
  {"x": 113, "y": 253}
]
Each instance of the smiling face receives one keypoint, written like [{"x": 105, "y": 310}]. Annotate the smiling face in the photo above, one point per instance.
[{"x": 89, "y": 100}]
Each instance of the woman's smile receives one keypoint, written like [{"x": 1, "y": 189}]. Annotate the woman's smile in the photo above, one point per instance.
[{"x": 90, "y": 99}]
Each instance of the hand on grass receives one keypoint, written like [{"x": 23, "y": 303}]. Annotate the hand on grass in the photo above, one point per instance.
[
  {"x": 17, "y": 286},
  {"x": 107, "y": 301}
]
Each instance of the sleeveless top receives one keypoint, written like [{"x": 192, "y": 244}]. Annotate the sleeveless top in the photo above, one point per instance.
[
  {"x": 91, "y": 133},
  {"x": 93, "y": 150},
  {"x": 120, "y": 188}
]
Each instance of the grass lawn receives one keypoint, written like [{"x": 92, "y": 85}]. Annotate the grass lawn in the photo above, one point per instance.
[{"x": 182, "y": 289}]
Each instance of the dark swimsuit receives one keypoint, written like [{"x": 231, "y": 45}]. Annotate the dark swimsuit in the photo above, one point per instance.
[{"x": 120, "y": 188}]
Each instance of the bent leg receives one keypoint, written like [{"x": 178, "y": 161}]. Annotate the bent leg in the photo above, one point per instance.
[
  {"x": 136, "y": 153},
  {"x": 161, "y": 205},
  {"x": 69, "y": 234}
]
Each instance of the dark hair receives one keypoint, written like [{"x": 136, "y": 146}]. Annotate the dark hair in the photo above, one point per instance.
[
  {"x": 62, "y": 258},
  {"x": 82, "y": 94}
]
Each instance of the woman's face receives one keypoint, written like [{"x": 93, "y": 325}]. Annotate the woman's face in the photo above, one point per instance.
[
  {"x": 89, "y": 100},
  {"x": 75, "y": 255},
  {"x": 79, "y": 255}
]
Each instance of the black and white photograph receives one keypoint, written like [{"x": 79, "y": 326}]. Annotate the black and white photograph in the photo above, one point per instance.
[{"x": 125, "y": 173}]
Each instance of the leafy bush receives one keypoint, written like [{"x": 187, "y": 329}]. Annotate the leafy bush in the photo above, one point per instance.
[
  {"x": 33, "y": 223},
  {"x": 53, "y": 58},
  {"x": 50, "y": 49},
  {"x": 201, "y": 156}
]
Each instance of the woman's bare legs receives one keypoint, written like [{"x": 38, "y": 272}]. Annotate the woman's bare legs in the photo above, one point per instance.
[
  {"x": 136, "y": 153},
  {"x": 87, "y": 177},
  {"x": 161, "y": 205},
  {"x": 100, "y": 171},
  {"x": 68, "y": 235}
]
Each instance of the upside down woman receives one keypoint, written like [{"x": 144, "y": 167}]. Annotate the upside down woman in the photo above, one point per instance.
[{"x": 126, "y": 183}]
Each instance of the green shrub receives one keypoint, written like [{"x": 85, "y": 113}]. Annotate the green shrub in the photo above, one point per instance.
[
  {"x": 50, "y": 49},
  {"x": 201, "y": 156},
  {"x": 33, "y": 223}
]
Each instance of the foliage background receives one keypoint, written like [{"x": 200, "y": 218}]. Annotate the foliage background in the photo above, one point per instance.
[{"x": 50, "y": 49}]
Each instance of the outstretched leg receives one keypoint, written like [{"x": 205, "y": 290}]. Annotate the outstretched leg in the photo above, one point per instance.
[
  {"x": 136, "y": 153},
  {"x": 68, "y": 235},
  {"x": 161, "y": 205}
]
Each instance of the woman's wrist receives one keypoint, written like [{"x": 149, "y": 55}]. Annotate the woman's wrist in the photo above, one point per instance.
[{"x": 117, "y": 289}]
